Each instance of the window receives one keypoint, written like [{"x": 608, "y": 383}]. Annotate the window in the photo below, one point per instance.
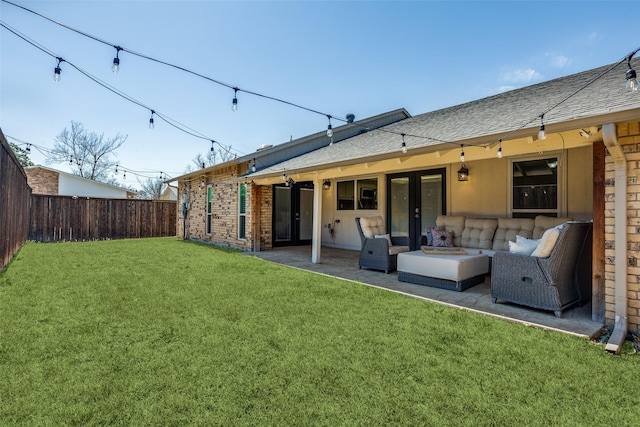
[
  {"x": 360, "y": 194},
  {"x": 368, "y": 193},
  {"x": 345, "y": 195},
  {"x": 535, "y": 188},
  {"x": 209, "y": 203},
  {"x": 242, "y": 212}
]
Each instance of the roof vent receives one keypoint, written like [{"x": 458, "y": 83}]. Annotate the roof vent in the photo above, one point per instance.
[
  {"x": 350, "y": 118},
  {"x": 264, "y": 147}
]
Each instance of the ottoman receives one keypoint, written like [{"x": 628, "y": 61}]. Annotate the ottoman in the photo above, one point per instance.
[{"x": 453, "y": 272}]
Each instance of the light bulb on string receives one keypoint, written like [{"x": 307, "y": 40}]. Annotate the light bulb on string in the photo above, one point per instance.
[
  {"x": 116, "y": 61},
  {"x": 151, "y": 125},
  {"x": 57, "y": 70},
  {"x": 329, "y": 128},
  {"x": 404, "y": 144},
  {"x": 124, "y": 175},
  {"x": 499, "y": 153},
  {"x": 28, "y": 148},
  {"x": 212, "y": 143},
  {"x": 462, "y": 153},
  {"x": 541, "y": 132},
  {"x": 632, "y": 81},
  {"x": 116, "y": 172},
  {"x": 234, "y": 103},
  {"x": 253, "y": 165}
]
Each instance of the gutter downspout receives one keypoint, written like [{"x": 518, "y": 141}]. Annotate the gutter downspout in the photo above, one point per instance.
[{"x": 619, "y": 333}]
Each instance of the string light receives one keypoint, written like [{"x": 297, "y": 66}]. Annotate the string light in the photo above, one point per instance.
[
  {"x": 329, "y": 128},
  {"x": 234, "y": 103},
  {"x": 116, "y": 61},
  {"x": 28, "y": 148},
  {"x": 124, "y": 175},
  {"x": 541, "y": 133},
  {"x": 116, "y": 172},
  {"x": 632, "y": 81},
  {"x": 151, "y": 125},
  {"x": 628, "y": 58},
  {"x": 404, "y": 144},
  {"x": 499, "y": 153},
  {"x": 212, "y": 142},
  {"x": 253, "y": 165},
  {"x": 462, "y": 153},
  {"x": 57, "y": 70}
]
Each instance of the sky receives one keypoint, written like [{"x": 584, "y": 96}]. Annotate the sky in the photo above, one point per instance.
[{"x": 333, "y": 57}]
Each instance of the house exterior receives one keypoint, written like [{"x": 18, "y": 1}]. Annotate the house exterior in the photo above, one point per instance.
[
  {"x": 217, "y": 208},
  {"x": 410, "y": 170},
  {"x": 44, "y": 180}
]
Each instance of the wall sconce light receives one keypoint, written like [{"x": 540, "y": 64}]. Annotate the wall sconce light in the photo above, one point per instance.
[
  {"x": 326, "y": 184},
  {"x": 463, "y": 173},
  {"x": 289, "y": 182}
]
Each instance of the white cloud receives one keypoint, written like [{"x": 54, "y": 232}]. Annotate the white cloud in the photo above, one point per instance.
[
  {"x": 521, "y": 76},
  {"x": 558, "y": 61}
]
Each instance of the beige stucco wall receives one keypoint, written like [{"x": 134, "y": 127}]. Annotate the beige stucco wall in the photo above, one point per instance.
[
  {"x": 486, "y": 194},
  {"x": 629, "y": 138}
]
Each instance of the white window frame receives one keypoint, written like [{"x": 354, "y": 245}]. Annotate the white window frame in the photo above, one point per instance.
[
  {"x": 240, "y": 213},
  {"x": 208, "y": 211}
]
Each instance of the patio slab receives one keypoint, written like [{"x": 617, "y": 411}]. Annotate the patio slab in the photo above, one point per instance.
[{"x": 343, "y": 264}]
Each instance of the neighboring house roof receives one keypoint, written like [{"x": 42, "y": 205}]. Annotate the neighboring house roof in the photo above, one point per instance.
[
  {"x": 82, "y": 186},
  {"x": 169, "y": 193},
  {"x": 271, "y": 155},
  {"x": 515, "y": 114}
]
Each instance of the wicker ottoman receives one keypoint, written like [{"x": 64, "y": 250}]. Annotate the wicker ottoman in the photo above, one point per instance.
[{"x": 453, "y": 272}]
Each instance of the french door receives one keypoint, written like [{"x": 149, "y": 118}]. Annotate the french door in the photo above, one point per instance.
[
  {"x": 293, "y": 214},
  {"x": 414, "y": 201}
]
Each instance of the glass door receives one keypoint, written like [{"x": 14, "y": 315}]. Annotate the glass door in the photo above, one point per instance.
[
  {"x": 293, "y": 214},
  {"x": 415, "y": 199}
]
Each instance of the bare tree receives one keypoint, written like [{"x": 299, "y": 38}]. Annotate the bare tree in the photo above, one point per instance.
[
  {"x": 151, "y": 188},
  {"x": 87, "y": 152},
  {"x": 222, "y": 153}
]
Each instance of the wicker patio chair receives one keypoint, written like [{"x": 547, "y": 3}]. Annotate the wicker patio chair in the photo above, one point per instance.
[
  {"x": 549, "y": 283},
  {"x": 376, "y": 253}
]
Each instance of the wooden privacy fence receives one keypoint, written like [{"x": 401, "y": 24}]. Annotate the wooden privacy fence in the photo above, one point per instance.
[
  {"x": 14, "y": 203},
  {"x": 63, "y": 218}
]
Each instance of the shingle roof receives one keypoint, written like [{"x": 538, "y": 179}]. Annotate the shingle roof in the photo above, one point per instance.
[{"x": 591, "y": 93}]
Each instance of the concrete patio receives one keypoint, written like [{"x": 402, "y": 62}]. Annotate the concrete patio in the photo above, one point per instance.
[{"x": 341, "y": 263}]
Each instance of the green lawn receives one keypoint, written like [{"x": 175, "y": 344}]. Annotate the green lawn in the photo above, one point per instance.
[{"x": 167, "y": 332}]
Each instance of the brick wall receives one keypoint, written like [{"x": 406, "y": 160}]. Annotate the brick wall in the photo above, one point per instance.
[
  {"x": 42, "y": 181},
  {"x": 266, "y": 215},
  {"x": 629, "y": 138},
  {"x": 225, "y": 206}
]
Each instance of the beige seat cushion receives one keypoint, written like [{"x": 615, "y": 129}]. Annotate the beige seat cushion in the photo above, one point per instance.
[
  {"x": 543, "y": 223},
  {"x": 508, "y": 229},
  {"x": 372, "y": 226},
  {"x": 452, "y": 223},
  {"x": 395, "y": 250},
  {"x": 478, "y": 233}
]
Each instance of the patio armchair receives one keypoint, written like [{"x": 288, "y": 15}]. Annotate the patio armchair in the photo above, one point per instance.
[
  {"x": 379, "y": 251},
  {"x": 549, "y": 283}
]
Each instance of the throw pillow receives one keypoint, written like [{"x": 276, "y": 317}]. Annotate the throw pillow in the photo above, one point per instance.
[
  {"x": 428, "y": 232},
  {"x": 547, "y": 243},
  {"x": 523, "y": 246},
  {"x": 384, "y": 236},
  {"x": 442, "y": 238}
]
